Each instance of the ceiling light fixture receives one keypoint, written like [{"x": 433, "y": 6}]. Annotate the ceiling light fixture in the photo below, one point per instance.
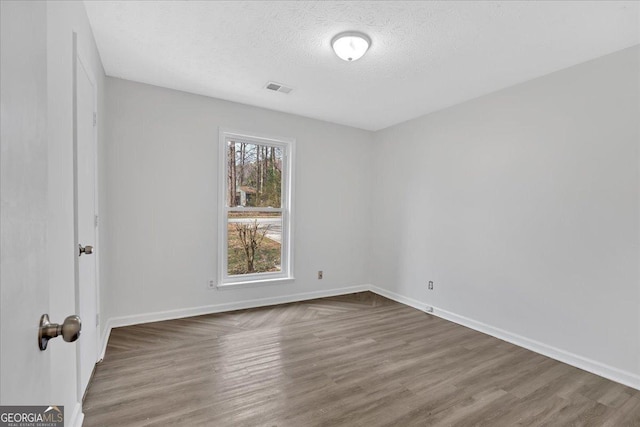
[{"x": 350, "y": 45}]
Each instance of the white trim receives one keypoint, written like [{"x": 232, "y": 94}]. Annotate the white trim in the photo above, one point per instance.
[
  {"x": 104, "y": 340},
  {"x": 77, "y": 417},
  {"x": 250, "y": 209},
  {"x": 288, "y": 146},
  {"x": 255, "y": 283},
  {"x": 96, "y": 210},
  {"x": 589, "y": 365},
  {"x": 116, "y": 322},
  {"x": 263, "y": 138},
  {"x": 222, "y": 230},
  {"x": 78, "y": 61}
]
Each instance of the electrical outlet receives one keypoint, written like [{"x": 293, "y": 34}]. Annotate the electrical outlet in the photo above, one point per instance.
[
  {"x": 211, "y": 284},
  {"x": 430, "y": 285},
  {"x": 319, "y": 274}
]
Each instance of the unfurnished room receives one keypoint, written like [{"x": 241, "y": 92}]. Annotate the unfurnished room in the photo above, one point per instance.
[{"x": 319, "y": 213}]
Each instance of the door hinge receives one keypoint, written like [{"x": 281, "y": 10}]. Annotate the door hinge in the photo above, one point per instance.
[
  {"x": 95, "y": 118},
  {"x": 95, "y": 220},
  {"x": 97, "y": 319}
]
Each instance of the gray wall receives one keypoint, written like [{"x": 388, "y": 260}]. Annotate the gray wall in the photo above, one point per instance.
[
  {"x": 523, "y": 207},
  {"x": 162, "y": 182}
]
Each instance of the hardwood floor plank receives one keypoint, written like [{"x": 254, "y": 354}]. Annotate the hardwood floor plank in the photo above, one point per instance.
[{"x": 351, "y": 360}]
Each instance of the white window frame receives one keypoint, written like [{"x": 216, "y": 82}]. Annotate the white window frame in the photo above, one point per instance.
[{"x": 288, "y": 153}]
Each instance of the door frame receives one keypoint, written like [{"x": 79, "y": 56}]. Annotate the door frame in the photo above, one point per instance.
[{"x": 79, "y": 61}]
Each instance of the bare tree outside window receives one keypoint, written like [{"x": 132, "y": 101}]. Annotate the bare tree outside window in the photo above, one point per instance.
[{"x": 251, "y": 236}]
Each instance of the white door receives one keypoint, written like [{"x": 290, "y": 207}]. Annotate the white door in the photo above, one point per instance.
[
  {"x": 24, "y": 287},
  {"x": 86, "y": 219}
]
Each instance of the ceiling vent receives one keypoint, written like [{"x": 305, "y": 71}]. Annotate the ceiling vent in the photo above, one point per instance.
[{"x": 277, "y": 87}]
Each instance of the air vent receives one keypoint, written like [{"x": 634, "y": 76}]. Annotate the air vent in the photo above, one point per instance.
[{"x": 277, "y": 87}]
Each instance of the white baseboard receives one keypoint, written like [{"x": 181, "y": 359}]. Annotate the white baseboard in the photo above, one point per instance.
[
  {"x": 77, "y": 417},
  {"x": 158, "y": 316},
  {"x": 601, "y": 369}
]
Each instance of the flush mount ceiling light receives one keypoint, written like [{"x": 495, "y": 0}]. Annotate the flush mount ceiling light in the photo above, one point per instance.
[{"x": 350, "y": 45}]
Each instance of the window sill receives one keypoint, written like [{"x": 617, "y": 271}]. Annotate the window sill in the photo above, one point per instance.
[{"x": 255, "y": 283}]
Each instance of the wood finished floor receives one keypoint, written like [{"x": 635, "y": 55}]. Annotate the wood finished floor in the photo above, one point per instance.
[{"x": 353, "y": 360}]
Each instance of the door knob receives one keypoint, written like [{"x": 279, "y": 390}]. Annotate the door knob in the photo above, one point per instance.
[
  {"x": 87, "y": 250},
  {"x": 70, "y": 330}
]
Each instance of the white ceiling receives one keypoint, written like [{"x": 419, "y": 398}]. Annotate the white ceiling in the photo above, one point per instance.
[{"x": 424, "y": 56}]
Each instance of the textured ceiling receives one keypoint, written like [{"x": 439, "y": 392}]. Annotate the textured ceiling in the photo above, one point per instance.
[{"x": 424, "y": 56}]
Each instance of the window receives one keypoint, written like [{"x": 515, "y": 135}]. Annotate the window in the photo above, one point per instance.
[{"x": 255, "y": 209}]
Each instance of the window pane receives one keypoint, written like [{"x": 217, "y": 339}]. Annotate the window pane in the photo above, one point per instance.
[
  {"x": 254, "y": 175},
  {"x": 254, "y": 242}
]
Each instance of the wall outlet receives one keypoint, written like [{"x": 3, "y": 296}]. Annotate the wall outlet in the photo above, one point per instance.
[
  {"x": 319, "y": 274},
  {"x": 211, "y": 284},
  {"x": 430, "y": 285},
  {"x": 428, "y": 309}
]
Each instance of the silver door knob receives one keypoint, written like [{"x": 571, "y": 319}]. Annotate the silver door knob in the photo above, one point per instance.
[
  {"x": 87, "y": 250},
  {"x": 70, "y": 330}
]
